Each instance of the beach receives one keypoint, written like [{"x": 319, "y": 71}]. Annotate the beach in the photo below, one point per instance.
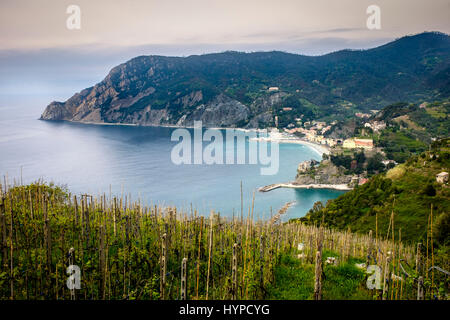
[{"x": 319, "y": 148}]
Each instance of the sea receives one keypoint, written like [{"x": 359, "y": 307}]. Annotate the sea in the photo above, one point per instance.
[{"x": 136, "y": 162}]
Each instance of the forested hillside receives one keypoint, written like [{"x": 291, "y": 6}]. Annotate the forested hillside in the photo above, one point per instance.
[
  {"x": 233, "y": 88},
  {"x": 409, "y": 191}
]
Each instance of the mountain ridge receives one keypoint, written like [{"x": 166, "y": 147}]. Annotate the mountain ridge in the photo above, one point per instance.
[{"x": 230, "y": 89}]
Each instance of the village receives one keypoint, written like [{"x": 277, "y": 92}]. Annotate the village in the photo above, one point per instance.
[
  {"x": 346, "y": 162},
  {"x": 314, "y": 131}
]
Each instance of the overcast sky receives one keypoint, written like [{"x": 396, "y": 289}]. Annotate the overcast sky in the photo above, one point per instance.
[{"x": 39, "y": 54}]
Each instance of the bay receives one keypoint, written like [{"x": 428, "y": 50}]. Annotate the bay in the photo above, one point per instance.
[{"x": 135, "y": 161}]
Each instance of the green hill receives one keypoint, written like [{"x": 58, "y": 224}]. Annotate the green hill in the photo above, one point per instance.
[
  {"x": 231, "y": 88},
  {"x": 409, "y": 190},
  {"x": 410, "y": 127}
]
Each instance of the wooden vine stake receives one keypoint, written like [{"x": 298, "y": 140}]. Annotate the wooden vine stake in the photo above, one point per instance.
[
  {"x": 385, "y": 277},
  {"x": 419, "y": 267},
  {"x": 419, "y": 259},
  {"x": 209, "y": 256},
  {"x": 163, "y": 265},
  {"x": 261, "y": 258},
  {"x": 72, "y": 262},
  {"x": 234, "y": 272},
  {"x": 198, "y": 259},
  {"x": 4, "y": 235},
  {"x": 319, "y": 267},
  {"x": 11, "y": 250},
  {"x": 102, "y": 257},
  {"x": 369, "y": 250},
  {"x": 318, "y": 277},
  {"x": 183, "y": 279},
  {"x": 420, "y": 295}
]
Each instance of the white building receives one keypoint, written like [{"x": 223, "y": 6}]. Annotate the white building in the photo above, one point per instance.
[{"x": 442, "y": 177}]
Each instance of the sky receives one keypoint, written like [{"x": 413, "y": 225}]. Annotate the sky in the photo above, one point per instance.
[{"x": 39, "y": 54}]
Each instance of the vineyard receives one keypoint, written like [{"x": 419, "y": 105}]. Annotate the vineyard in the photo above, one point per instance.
[{"x": 125, "y": 250}]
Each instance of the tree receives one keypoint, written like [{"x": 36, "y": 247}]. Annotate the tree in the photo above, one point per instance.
[
  {"x": 429, "y": 190},
  {"x": 374, "y": 164},
  {"x": 442, "y": 233},
  {"x": 360, "y": 158},
  {"x": 317, "y": 207}
]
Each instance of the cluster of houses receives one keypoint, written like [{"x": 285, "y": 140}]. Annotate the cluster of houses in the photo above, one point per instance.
[
  {"x": 362, "y": 115},
  {"x": 358, "y": 181},
  {"x": 375, "y": 125},
  {"x": 315, "y": 134},
  {"x": 313, "y": 131}
]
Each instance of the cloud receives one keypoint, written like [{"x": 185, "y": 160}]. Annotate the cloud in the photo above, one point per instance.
[
  {"x": 38, "y": 52},
  {"x": 28, "y": 24}
]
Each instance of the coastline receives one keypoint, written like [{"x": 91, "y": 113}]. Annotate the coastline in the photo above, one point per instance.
[
  {"x": 339, "y": 187},
  {"x": 149, "y": 125},
  {"x": 282, "y": 138},
  {"x": 318, "y": 148}
]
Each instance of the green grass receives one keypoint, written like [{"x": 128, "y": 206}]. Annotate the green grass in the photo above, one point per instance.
[
  {"x": 295, "y": 281},
  {"x": 345, "y": 282},
  {"x": 400, "y": 145}
]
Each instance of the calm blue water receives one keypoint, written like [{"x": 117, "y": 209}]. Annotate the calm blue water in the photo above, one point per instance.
[{"x": 136, "y": 161}]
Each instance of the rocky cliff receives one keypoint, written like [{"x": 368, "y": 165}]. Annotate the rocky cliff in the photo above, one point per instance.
[
  {"x": 231, "y": 89},
  {"x": 152, "y": 91}
]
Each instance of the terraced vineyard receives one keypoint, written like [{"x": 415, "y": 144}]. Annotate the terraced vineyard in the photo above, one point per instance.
[{"x": 125, "y": 250}]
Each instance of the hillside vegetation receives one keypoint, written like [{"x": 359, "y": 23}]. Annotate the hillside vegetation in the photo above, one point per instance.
[
  {"x": 408, "y": 190},
  {"x": 411, "y": 128},
  {"x": 128, "y": 251},
  {"x": 232, "y": 88}
]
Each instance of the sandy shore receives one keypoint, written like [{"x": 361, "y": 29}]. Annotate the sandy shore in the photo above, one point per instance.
[{"x": 319, "y": 148}]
